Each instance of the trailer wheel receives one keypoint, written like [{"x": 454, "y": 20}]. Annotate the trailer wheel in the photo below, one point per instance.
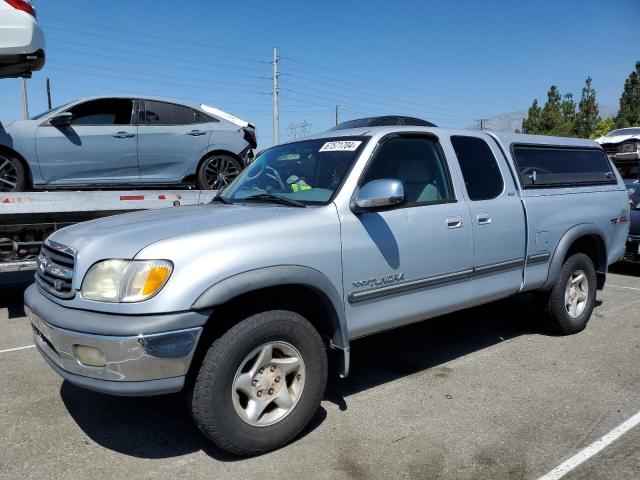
[
  {"x": 217, "y": 171},
  {"x": 569, "y": 304},
  {"x": 12, "y": 174},
  {"x": 260, "y": 383}
]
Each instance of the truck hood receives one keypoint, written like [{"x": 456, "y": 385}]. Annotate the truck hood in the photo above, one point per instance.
[
  {"x": 616, "y": 139},
  {"x": 123, "y": 236}
]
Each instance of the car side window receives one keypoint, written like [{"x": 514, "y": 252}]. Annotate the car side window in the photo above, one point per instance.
[
  {"x": 191, "y": 115},
  {"x": 163, "y": 113},
  {"x": 108, "y": 111},
  {"x": 418, "y": 162},
  {"x": 482, "y": 177}
]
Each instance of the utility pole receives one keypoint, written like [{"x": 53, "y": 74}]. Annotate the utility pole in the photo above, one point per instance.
[
  {"x": 276, "y": 92},
  {"x": 49, "y": 93},
  {"x": 25, "y": 102},
  {"x": 337, "y": 114}
]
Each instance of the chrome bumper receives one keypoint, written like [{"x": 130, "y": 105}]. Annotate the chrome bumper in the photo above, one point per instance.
[{"x": 134, "y": 365}]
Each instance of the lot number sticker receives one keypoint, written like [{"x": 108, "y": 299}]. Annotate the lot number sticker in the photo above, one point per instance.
[{"x": 344, "y": 146}]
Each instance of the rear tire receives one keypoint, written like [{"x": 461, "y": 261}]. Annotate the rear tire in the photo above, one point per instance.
[
  {"x": 217, "y": 171},
  {"x": 568, "y": 306},
  {"x": 260, "y": 383},
  {"x": 13, "y": 176}
]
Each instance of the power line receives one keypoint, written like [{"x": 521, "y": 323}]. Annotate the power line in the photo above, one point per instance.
[{"x": 149, "y": 35}]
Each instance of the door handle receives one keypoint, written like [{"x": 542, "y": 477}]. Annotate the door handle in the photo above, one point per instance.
[
  {"x": 454, "y": 222},
  {"x": 123, "y": 135},
  {"x": 195, "y": 133},
  {"x": 483, "y": 219}
]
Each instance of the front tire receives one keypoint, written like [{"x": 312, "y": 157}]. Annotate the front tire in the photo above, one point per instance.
[
  {"x": 569, "y": 304},
  {"x": 217, "y": 171},
  {"x": 260, "y": 383},
  {"x": 13, "y": 177}
]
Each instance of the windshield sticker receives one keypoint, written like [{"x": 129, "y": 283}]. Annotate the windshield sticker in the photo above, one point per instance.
[{"x": 343, "y": 146}]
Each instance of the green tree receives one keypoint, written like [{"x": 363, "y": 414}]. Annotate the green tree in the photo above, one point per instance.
[
  {"x": 629, "y": 113},
  {"x": 551, "y": 117},
  {"x": 531, "y": 124},
  {"x": 604, "y": 126},
  {"x": 587, "y": 117}
]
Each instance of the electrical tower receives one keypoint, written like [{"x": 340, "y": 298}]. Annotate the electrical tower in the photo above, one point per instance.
[
  {"x": 276, "y": 93},
  {"x": 299, "y": 130}
]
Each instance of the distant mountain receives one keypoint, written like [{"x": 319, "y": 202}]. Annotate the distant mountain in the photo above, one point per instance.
[{"x": 510, "y": 122}]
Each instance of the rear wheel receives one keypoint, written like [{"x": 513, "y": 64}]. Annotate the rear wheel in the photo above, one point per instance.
[
  {"x": 217, "y": 171},
  {"x": 569, "y": 304},
  {"x": 12, "y": 174},
  {"x": 260, "y": 383}
]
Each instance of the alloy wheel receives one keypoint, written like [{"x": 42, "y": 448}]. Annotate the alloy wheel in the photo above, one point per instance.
[
  {"x": 576, "y": 294},
  {"x": 268, "y": 384},
  {"x": 8, "y": 175},
  {"x": 220, "y": 172}
]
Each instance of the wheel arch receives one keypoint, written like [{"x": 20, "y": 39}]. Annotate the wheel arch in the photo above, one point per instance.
[
  {"x": 585, "y": 238},
  {"x": 301, "y": 289},
  {"x": 27, "y": 168},
  {"x": 217, "y": 151}
]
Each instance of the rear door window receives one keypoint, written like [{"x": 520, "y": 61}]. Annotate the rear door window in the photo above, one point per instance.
[
  {"x": 163, "y": 113},
  {"x": 544, "y": 166},
  {"x": 480, "y": 170},
  {"x": 108, "y": 111}
]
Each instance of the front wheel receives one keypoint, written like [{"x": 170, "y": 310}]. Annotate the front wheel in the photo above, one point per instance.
[
  {"x": 260, "y": 383},
  {"x": 12, "y": 174},
  {"x": 217, "y": 171},
  {"x": 569, "y": 304}
]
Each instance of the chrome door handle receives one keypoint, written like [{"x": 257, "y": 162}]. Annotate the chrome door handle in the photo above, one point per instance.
[
  {"x": 454, "y": 222},
  {"x": 483, "y": 219},
  {"x": 123, "y": 135},
  {"x": 195, "y": 133}
]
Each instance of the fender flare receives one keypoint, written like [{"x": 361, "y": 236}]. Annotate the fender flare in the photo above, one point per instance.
[
  {"x": 565, "y": 243},
  {"x": 275, "y": 276}
]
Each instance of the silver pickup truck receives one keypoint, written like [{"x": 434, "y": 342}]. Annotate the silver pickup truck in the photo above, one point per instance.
[{"x": 316, "y": 243}]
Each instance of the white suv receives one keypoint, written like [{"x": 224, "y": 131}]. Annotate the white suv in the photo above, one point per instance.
[{"x": 21, "y": 39}]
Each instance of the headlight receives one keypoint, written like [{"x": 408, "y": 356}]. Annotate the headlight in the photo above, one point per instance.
[{"x": 125, "y": 280}]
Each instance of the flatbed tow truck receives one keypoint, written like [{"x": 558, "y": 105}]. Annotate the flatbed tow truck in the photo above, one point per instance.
[{"x": 28, "y": 218}]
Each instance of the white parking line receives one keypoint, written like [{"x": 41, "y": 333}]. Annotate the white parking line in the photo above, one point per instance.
[
  {"x": 626, "y": 288},
  {"x": 16, "y": 349},
  {"x": 597, "y": 446}
]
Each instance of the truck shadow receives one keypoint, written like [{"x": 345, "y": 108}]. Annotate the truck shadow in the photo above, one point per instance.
[{"x": 160, "y": 427}]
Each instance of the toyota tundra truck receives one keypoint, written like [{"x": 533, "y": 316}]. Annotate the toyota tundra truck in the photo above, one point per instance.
[{"x": 318, "y": 242}]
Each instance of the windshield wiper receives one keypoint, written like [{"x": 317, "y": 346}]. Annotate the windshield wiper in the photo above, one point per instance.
[
  {"x": 220, "y": 198},
  {"x": 267, "y": 197}
]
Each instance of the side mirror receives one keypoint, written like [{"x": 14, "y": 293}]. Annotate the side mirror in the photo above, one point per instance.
[
  {"x": 379, "y": 194},
  {"x": 62, "y": 119}
]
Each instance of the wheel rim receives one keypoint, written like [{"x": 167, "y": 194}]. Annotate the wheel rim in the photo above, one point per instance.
[
  {"x": 219, "y": 172},
  {"x": 8, "y": 175},
  {"x": 576, "y": 294},
  {"x": 268, "y": 384}
]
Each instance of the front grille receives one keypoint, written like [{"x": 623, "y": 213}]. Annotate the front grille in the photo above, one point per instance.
[
  {"x": 55, "y": 270},
  {"x": 611, "y": 148}
]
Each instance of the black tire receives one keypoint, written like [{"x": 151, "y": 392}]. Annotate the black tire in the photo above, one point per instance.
[
  {"x": 13, "y": 176},
  {"x": 212, "y": 406},
  {"x": 217, "y": 171},
  {"x": 556, "y": 317}
]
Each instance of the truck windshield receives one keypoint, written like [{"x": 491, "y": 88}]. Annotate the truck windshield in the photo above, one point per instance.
[{"x": 308, "y": 172}]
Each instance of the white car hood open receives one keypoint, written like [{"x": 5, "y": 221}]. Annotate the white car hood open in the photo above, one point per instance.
[{"x": 227, "y": 116}]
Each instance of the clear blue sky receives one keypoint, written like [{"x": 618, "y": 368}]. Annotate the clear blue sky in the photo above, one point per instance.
[{"x": 451, "y": 62}]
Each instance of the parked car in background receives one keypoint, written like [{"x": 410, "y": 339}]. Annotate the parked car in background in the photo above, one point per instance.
[
  {"x": 124, "y": 140},
  {"x": 383, "y": 121},
  {"x": 623, "y": 148},
  {"x": 21, "y": 39},
  {"x": 632, "y": 253}
]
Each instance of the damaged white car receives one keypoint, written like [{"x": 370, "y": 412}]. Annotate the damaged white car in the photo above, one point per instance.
[{"x": 622, "y": 144}]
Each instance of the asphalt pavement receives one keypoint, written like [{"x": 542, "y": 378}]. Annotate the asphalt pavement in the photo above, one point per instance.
[{"x": 474, "y": 395}]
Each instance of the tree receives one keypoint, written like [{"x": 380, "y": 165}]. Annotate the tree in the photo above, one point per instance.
[
  {"x": 531, "y": 124},
  {"x": 587, "y": 117},
  {"x": 604, "y": 126},
  {"x": 629, "y": 113}
]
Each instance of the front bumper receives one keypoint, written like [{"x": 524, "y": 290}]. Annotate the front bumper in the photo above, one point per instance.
[{"x": 142, "y": 364}]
